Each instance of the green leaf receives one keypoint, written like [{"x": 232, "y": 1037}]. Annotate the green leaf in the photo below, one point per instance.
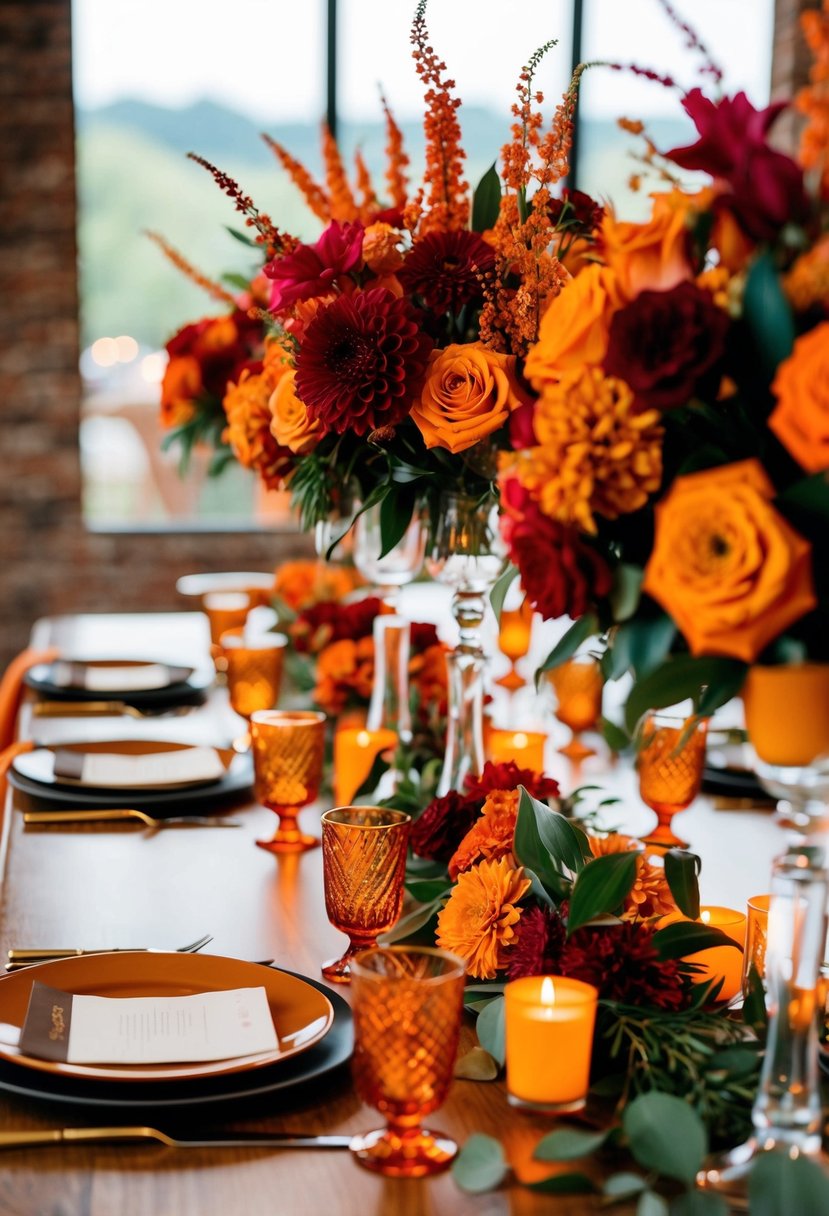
[
  {"x": 783, "y": 1186},
  {"x": 480, "y": 1165},
  {"x": 499, "y": 592},
  {"x": 491, "y": 1028},
  {"x": 755, "y": 1014},
  {"x": 427, "y": 890},
  {"x": 486, "y": 201},
  {"x": 616, "y": 739},
  {"x": 623, "y": 1186},
  {"x": 396, "y": 512},
  {"x": 477, "y": 1065},
  {"x": 681, "y": 871},
  {"x": 568, "y": 1144},
  {"x": 699, "y": 1203},
  {"x": 651, "y": 1204},
  {"x": 409, "y": 924},
  {"x": 627, "y": 590},
  {"x": 638, "y": 646},
  {"x": 768, "y": 313},
  {"x": 809, "y": 498},
  {"x": 685, "y": 937},
  {"x": 236, "y": 280},
  {"x": 565, "y": 842},
  {"x": 563, "y": 1184},
  {"x": 682, "y": 677},
  {"x": 379, "y": 766},
  {"x": 242, "y": 237},
  {"x": 665, "y": 1134},
  {"x": 585, "y": 627},
  {"x": 601, "y": 887}
]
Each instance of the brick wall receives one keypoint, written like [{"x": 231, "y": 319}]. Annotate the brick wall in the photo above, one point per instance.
[{"x": 48, "y": 562}]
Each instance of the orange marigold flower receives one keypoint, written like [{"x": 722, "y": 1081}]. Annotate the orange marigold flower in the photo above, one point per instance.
[
  {"x": 304, "y": 582},
  {"x": 807, "y": 283},
  {"x": 596, "y": 454},
  {"x": 491, "y": 835},
  {"x": 428, "y": 677},
  {"x": 345, "y": 672},
  {"x": 381, "y": 248},
  {"x": 650, "y": 894},
  {"x": 180, "y": 387},
  {"x": 479, "y": 918},
  {"x": 248, "y": 429}
]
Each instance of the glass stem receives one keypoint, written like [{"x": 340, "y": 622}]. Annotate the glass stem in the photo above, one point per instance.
[
  {"x": 787, "y": 1110},
  {"x": 464, "y": 728},
  {"x": 389, "y": 707}
]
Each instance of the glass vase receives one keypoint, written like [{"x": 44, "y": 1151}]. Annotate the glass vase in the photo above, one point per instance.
[
  {"x": 466, "y": 555},
  {"x": 395, "y": 569}
]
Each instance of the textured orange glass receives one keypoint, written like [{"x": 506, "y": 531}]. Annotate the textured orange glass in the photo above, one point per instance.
[
  {"x": 514, "y": 635},
  {"x": 288, "y": 748},
  {"x": 757, "y": 927},
  {"x": 408, "y": 1003},
  {"x": 225, "y": 610},
  {"x": 363, "y": 867},
  {"x": 578, "y": 685},
  {"x": 670, "y": 771},
  {"x": 254, "y": 670}
]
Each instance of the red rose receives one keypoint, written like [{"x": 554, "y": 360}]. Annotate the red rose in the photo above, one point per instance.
[{"x": 664, "y": 343}]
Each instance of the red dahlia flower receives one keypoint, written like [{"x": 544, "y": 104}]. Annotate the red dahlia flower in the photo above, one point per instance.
[
  {"x": 665, "y": 342},
  {"x": 310, "y": 270},
  {"x": 361, "y": 362},
  {"x": 539, "y": 940},
  {"x": 328, "y": 622},
  {"x": 765, "y": 186},
  {"x": 438, "y": 831},
  {"x": 621, "y": 961},
  {"x": 506, "y": 775},
  {"x": 445, "y": 269}
]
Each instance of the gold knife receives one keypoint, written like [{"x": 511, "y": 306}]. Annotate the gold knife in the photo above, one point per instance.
[
  {"x": 116, "y": 1135},
  {"x": 116, "y": 813}
]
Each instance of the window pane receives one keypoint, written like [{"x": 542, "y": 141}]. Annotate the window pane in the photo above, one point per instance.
[
  {"x": 148, "y": 89},
  {"x": 738, "y": 35}
]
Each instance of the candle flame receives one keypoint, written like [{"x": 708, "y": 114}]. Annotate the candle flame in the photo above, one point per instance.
[
  {"x": 548, "y": 991},
  {"x": 363, "y": 739},
  {"x": 520, "y": 740},
  {"x": 705, "y": 917}
]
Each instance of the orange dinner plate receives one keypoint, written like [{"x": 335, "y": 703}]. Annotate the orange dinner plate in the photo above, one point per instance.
[{"x": 302, "y": 1015}]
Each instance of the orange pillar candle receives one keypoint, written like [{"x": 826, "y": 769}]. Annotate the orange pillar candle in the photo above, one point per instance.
[
  {"x": 355, "y": 751},
  {"x": 526, "y": 748},
  {"x": 719, "y": 962},
  {"x": 549, "y": 1025}
]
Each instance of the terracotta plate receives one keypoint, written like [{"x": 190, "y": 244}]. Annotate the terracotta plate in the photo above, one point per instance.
[
  {"x": 301, "y": 1013},
  {"x": 39, "y": 765}
]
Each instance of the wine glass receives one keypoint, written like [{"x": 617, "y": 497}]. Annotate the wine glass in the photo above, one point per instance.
[
  {"x": 253, "y": 668},
  {"x": 514, "y": 633},
  {"x": 394, "y": 569},
  {"x": 670, "y": 762},
  {"x": 363, "y": 868},
  {"x": 578, "y": 685},
  {"x": 408, "y": 1004},
  {"x": 288, "y": 748}
]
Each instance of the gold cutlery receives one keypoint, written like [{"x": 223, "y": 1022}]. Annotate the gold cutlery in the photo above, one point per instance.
[
  {"x": 74, "y": 709},
  {"x": 119, "y": 813},
  {"x": 24, "y": 957},
  {"x": 118, "y": 1135}
]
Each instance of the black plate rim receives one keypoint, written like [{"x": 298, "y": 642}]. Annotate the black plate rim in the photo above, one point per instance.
[
  {"x": 192, "y": 690},
  {"x": 176, "y": 1096}
]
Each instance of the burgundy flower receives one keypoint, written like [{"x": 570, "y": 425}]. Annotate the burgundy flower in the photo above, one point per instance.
[
  {"x": 361, "y": 362},
  {"x": 438, "y": 831},
  {"x": 664, "y": 343},
  {"x": 223, "y": 347},
  {"x": 506, "y": 775},
  {"x": 539, "y": 940},
  {"x": 327, "y": 622},
  {"x": 423, "y": 635},
  {"x": 621, "y": 961},
  {"x": 310, "y": 270},
  {"x": 765, "y": 186},
  {"x": 582, "y": 212},
  {"x": 445, "y": 269},
  {"x": 561, "y": 573},
  {"x": 521, "y": 430}
]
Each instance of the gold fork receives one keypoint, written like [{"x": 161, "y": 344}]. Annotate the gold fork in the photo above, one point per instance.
[
  {"x": 118, "y": 813},
  {"x": 74, "y": 709}
]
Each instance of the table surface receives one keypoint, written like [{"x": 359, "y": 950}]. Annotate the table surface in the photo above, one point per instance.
[{"x": 122, "y": 886}]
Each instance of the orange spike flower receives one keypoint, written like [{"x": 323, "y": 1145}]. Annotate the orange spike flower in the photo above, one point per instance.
[
  {"x": 213, "y": 289},
  {"x": 365, "y": 187},
  {"x": 312, "y": 192},
  {"x": 397, "y": 160},
  {"x": 343, "y": 205}
]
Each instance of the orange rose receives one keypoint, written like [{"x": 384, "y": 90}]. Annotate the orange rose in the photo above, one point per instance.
[
  {"x": 574, "y": 328},
  {"x": 800, "y": 419},
  {"x": 726, "y": 565},
  {"x": 180, "y": 387},
  {"x": 380, "y": 248},
  {"x": 653, "y": 256},
  {"x": 469, "y": 392},
  {"x": 290, "y": 424}
]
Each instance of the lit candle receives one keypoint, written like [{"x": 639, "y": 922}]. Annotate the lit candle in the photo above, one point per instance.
[
  {"x": 526, "y": 748},
  {"x": 549, "y": 1023},
  {"x": 719, "y": 962},
  {"x": 355, "y": 750}
]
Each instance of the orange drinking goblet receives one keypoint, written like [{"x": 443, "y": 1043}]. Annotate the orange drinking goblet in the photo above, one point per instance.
[
  {"x": 670, "y": 762},
  {"x": 363, "y": 867},
  {"x": 514, "y": 635},
  {"x": 254, "y": 669},
  {"x": 288, "y": 747},
  {"x": 578, "y": 685},
  {"x": 408, "y": 1003}
]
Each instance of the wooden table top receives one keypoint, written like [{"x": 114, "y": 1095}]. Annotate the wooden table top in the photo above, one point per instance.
[{"x": 122, "y": 886}]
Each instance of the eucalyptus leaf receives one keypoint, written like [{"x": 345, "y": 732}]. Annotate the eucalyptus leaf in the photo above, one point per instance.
[
  {"x": 568, "y": 1144},
  {"x": 563, "y": 1184},
  {"x": 685, "y": 937},
  {"x": 780, "y": 1185},
  {"x": 486, "y": 201},
  {"x": 491, "y": 1028},
  {"x": 477, "y": 1065},
  {"x": 768, "y": 312},
  {"x": 651, "y": 1204},
  {"x": 665, "y": 1134},
  {"x": 601, "y": 887},
  {"x": 681, "y": 677},
  {"x": 499, "y": 591},
  {"x": 681, "y": 871},
  {"x": 699, "y": 1203},
  {"x": 585, "y": 627},
  {"x": 623, "y": 1186},
  {"x": 626, "y": 591},
  {"x": 480, "y": 1165}
]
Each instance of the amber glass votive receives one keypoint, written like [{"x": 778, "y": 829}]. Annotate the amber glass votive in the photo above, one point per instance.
[
  {"x": 757, "y": 927},
  {"x": 525, "y": 747},
  {"x": 670, "y": 761},
  {"x": 363, "y": 868},
  {"x": 549, "y": 1023},
  {"x": 225, "y": 610},
  {"x": 408, "y": 1003},
  {"x": 578, "y": 685},
  {"x": 288, "y": 748},
  {"x": 718, "y": 962},
  {"x": 253, "y": 667}
]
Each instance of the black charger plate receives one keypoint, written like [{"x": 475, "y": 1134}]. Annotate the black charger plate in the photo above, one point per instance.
[
  {"x": 277, "y": 1084},
  {"x": 191, "y": 691}
]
